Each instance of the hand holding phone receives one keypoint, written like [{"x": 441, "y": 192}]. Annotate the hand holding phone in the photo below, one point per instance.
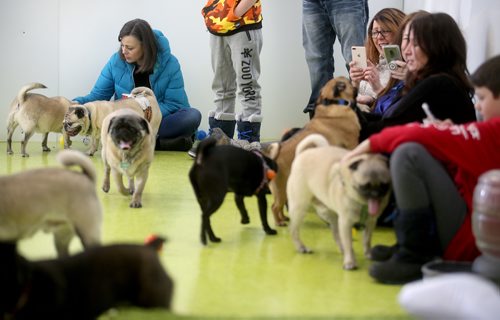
[
  {"x": 359, "y": 56},
  {"x": 392, "y": 53}
]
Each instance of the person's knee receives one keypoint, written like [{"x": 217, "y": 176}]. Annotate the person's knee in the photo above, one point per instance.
[{"x": 405, "y": 156}]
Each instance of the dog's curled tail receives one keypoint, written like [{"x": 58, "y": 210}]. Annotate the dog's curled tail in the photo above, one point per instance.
[
  {"x": 203, "y": 147},
  {"x": 21, "y": 95},
  {"x": 70, "y": 158},
  {"x": 314, "y": 140}
]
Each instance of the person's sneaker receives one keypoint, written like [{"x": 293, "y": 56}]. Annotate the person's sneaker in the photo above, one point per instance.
[
  {"x": 383, "y": 253},
  {"x": 217, "y": 134}
]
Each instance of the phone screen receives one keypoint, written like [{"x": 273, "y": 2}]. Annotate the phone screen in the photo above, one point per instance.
[{"x": 392, "y": 53}]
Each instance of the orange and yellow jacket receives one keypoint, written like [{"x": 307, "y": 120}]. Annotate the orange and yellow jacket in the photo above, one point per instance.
[{"x": 220, "y": 19}]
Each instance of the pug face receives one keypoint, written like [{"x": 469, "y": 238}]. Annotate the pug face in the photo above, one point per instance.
[
  {"x": 76, "y": 121},
  {"x": 128, "y": 131},
  {"x": 370, "y": 176}
]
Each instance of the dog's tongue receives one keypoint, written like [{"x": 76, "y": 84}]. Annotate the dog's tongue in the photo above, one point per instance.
[
  {"x": 373, "y": 206},
  {"x": 125, "y": 145}
]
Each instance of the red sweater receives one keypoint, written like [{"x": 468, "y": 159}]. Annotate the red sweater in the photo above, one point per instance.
[{"x": 467, "y": 150}]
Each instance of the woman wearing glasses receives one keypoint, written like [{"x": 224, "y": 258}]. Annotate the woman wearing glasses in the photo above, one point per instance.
[
  {"x": 382, "y": 30},
  {"x": 437, "y": 75}
]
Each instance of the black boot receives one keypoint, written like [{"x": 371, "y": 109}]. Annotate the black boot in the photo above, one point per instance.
[
  {"x": 418, "y": 244},
  {"x": 249, "y": 131},
  {"x": 174, "y": 144},
  {"x": 383, "y": 253},
  {"x": 225, "y": 125}
]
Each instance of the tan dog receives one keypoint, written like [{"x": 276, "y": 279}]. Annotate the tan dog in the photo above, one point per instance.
[
  {"x": 88, "y": 119},
  {"x": 339, "y": 192},
  {"x": 333, "y": 118},
  {"x": 127, "y": 149},
  {"x": 36, "y": 113},
  {"x": 58, "y": 200}
]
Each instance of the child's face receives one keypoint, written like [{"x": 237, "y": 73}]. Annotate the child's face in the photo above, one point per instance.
[{"x": 487, "y": 104}]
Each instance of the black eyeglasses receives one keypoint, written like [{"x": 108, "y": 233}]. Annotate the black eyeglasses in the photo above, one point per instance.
[{"x": 382, "y": 33}]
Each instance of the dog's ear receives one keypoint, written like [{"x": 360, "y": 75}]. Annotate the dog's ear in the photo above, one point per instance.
[
  {"x": 338, "y": 88},
  {"x": 111, "y": 122},
  {"x": 354, "y": 166},
  {"x": 80, "y": 112},
  {"x": 144, "y": 125}
]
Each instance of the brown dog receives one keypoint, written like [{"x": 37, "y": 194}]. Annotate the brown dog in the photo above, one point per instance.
[
  {"x": 334, "y": 119},
  {"x": 36, "y": 113},
  {"x": 88, "y": 119}
]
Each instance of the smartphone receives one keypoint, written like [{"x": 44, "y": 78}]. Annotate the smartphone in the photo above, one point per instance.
[
  {"x": 359, "y": 56},
  {"x": 392, "y": 53},
  {"x": 428, "y": 112}
]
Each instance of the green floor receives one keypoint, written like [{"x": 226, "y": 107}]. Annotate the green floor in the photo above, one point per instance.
[{"x": 248, "y": 275}]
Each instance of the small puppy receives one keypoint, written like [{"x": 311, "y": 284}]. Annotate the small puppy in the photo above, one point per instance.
[
  {"x": 88, "y": 119},
  {"x": 127, "y": 149},
  {"x": 340, "y": 192},
  {"x": 219, "y": 169},
  {"x": 84, "y": 285},
  {"x": 36, "y": 113},
  {"x": 334, "y": 119},
  {"x": 58, "y": 200}
]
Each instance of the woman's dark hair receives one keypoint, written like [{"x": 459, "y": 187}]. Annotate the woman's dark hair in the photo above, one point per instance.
[
  {"x": 141, "y": 30},
  {"x": 399, "y": 40},
  {"x": 440, "y": 38},
  {"x": 486, "y": 75}
]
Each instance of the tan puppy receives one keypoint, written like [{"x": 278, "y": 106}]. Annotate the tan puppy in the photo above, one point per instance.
[
  {"x": 58, "y": 200},
  {"x": 333, "y": 118},
  {"x": 36, "y": 113},
  {"x": 338, "y": 191},
  {"x": 88, "y": 119},
  {"x": 127, "y": 149}
]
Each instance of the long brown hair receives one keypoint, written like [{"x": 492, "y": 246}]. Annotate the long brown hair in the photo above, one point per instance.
[
  {"x": 389, "y": 19},
  {"x": 141, "y": 30},
  {"x": 399, "y": 40}
]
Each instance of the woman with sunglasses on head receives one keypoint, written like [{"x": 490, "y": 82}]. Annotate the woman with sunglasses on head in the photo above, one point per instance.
[{"x": 382, "y": 30}]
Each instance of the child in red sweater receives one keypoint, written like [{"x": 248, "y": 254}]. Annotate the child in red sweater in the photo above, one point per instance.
[{"x": 435, "y": 167}]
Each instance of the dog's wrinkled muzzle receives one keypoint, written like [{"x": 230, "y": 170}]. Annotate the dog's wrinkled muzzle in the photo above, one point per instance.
[{"x": 71, "y": 131}]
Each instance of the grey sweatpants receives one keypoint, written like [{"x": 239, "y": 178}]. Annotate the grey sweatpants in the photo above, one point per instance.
[
  {"x": 236, "y": 66},
  {"x": 420, "y": 182}
]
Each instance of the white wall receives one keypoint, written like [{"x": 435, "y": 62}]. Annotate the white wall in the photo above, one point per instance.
[{"x": 65, "y": 43}]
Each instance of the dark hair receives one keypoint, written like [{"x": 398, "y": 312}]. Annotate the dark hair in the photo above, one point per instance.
[
  {"x": 399, "y": 40},
  {"x": 440, "y": 38},
  {"x": 487, "y": 75},
  {"x": 389, "y": 18},
  {"x": 141, "y": 30}
]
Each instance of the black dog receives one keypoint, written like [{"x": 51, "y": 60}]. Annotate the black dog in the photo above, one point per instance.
[
  {"x": 220, "y": 169},
  {"x": 84, "y": 285}
]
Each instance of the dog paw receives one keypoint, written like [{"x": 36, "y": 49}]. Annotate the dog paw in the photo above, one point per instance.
[
  {"x": 270, "y": 231},
  {"x": 215, "y": 239},
  {"x": 25, "y": 155},
  {"x": 105, "y": 188},
  {"x": 305, "y": 250},
  {"x": 350, "y": 266},
  {"x": 281, "y": 223},
  {"x": 135, "y": 204},
  {"x": 46, "y": 149},
  {"x": 245, "y": 220}
]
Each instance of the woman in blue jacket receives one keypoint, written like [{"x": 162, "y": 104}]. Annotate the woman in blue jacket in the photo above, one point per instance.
[{"x": 144, "y": 59}]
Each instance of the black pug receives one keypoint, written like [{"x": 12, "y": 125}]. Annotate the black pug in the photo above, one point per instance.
[
  {"x": 218, "y": 169},
  {"x": 84, "y": 285}
]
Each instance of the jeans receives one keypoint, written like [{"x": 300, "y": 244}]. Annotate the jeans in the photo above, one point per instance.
[
  {"x": 182, "y": 123},
  {"x": 322, "y": 22},
  {"x": 420, "y": 181}
]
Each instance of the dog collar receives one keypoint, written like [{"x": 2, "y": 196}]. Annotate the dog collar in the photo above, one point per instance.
[
  {"x": 268, "y": 173},
  {"x": 342, "y": 102}
]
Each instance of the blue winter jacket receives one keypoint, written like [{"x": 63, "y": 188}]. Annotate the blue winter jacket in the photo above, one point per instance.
[{"x": 166, "y": 80}]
